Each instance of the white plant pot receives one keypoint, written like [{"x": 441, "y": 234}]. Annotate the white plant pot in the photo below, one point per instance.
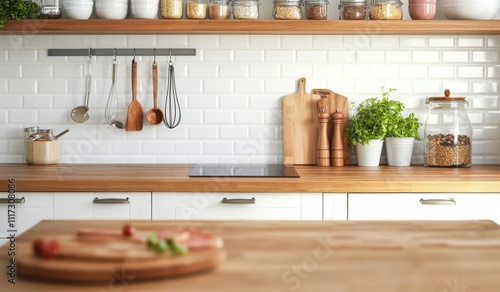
[
  {"x": 369, "y": 155},
  {"x": 399, "y": 151}
]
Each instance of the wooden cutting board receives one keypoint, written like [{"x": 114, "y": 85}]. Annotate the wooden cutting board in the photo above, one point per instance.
[
  {"x": 300, "y": 126},
  {"x": 337, "y": 101},
  {"x": 102, "y": 262}
]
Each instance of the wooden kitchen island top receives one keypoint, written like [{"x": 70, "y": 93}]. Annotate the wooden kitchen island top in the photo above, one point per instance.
[
  {"x": 315, "y": 256},
  {"x": 175, "y": 178}
]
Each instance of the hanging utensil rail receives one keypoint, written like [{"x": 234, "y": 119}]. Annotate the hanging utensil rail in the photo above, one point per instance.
[{"x": 121, "y": 52}]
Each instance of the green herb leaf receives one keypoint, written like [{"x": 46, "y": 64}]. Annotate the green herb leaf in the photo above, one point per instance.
[{"x": 17, "y": 9}]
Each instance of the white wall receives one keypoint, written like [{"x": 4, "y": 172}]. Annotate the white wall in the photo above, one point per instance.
[{"x": 231, "y": 91}]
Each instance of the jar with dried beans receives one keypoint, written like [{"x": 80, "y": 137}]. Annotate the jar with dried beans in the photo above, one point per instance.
[
  {"x": 245, "y": 9},
  {"x": 171, "y": 9},
  {"x": 287, "y": 9},
  {"x": 196, "y": 9},
  {"x": 386, "y": 10},
  {"x": 316, "y": 9},
  {"x": 219, "y": 9},
  {"x": 352, "y": 9}
]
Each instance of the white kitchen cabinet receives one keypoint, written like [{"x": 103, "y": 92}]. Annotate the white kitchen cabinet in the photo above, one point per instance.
[
  {"x": 237, "y": 206},
  {"x": 31, "y": 208},
  {"x": 424, "y": 206},
  {"x": 107, "y": 206},
  {"x": 335, "y": 206}
]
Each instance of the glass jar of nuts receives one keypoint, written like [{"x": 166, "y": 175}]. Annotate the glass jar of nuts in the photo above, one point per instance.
[
  {"x": 316, "y": 9},
  {"x": 287, "y": 9},
  {"x": 447, "y": 132},
  {"x": 219, "y": 9},
  {"x": 245, "y": 9},
  {"x": 352, "y": 9},
  {"x": 196, "y": 9},
  {"x": 386, "y": 10},
  {"x": 171, "y": 9}
]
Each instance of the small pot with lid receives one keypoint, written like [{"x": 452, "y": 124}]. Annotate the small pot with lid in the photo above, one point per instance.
[
  {"x": 448, "y": 132},
  {"x": 41, "y": 146}
]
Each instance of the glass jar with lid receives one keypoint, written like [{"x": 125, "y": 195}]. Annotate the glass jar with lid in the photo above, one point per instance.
[
  {"x": 196, "y": 9},
  {"x": 386, "y": 10},
  {"x": 219, "y": 9},
  {"x": 245, "y": 9},
  {"x": 352, "y": 9},
  {"x": 171, "y": 9},
  {"x": 316, "y": 9},
  {"x": 287, "y": 9},
  {"x": 50, "y": 9},
  {"x": 448, "y": 132}
]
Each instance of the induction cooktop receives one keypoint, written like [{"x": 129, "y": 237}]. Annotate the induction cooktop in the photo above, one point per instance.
[{"x": 243, "y": 170}]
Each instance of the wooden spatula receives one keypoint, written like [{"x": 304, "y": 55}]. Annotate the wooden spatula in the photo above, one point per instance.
[{"x": 135, "y": 115}]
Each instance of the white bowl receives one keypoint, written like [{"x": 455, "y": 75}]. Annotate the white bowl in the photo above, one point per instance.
[
  {"x": 77, "y": 13},
  {"x": 117, "y": 6},
  {"x": 111, "y": 13},
  {"x": 471, "y": 11},
  {"x": 145, "y": 2},
  {"x": 111, "y": 1},
  {"x": 74, "y": 4},
  {"x": 143, "y": 14},
  {"x": 145, "y": 7}
]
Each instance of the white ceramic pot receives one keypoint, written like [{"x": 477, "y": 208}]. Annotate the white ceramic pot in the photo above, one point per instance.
[
  {"x": 399, "y": 151},
  {"x": 369, "y": 154}
]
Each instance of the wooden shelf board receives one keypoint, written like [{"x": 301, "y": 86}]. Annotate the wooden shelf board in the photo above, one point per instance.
[{"x": 209, "y": 26}]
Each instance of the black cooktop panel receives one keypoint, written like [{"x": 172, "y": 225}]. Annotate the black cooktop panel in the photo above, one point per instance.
[{"x": 243, "y": 170}]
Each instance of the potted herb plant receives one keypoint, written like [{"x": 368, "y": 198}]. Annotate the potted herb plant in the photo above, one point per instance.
[{"x": 17, "y": 9}]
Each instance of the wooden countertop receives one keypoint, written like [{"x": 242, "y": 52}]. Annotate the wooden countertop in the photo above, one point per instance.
[
  {"x": 317, "y": 256},
  {"x": 175, "y": 178}
]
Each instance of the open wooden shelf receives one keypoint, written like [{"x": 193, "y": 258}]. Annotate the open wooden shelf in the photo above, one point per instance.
[{"x": 209, "y": 26}]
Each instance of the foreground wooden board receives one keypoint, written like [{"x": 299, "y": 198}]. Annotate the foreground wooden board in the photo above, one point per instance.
[
  {"x": 317, "y": 256},
  {"x": 175, "y": 178}
]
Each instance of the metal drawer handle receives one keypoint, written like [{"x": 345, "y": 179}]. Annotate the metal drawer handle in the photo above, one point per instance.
[
  {"x": 16, "y": 201},
  {"x": 450, "y": 201},
  {"x": 238, "y": 201},
  {"x": 111, "y": 201}
]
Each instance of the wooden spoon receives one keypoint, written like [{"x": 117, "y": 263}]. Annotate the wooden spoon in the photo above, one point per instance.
[
  {"x": 135, "y": 115},
  {"x": 155, "y": 115}
]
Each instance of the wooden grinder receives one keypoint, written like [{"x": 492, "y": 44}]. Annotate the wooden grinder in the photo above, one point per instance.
[
  {"x": 323, "y": 149},
  {"x": 337, "y": 140}
]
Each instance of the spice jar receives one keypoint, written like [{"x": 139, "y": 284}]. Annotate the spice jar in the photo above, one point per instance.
[
  {"x": 316, "y": 9},
  {"x": 196, "y": 9},
  {"x": 40, "y": 146},
  {"x": 447, "y": 132},
  {"x": 352, "y": 9},
  {"x": 245, "y": 9},
  {"x": 287, "y": 9},
  {"x": 386, "y": 10},
  {"x": 171, "y": 9},
  {"x": 218, "y": 9},
  {"x": 50, "y": 9}
]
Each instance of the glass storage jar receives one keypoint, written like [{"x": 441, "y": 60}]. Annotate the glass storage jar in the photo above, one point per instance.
[
  {"x": 196, "y": 9},
  {"x": 171, "y": 9},
  {"x": 448, "y": 132},
  {"x": 386, "y": 10},
  {"x": 316, "y": 9},
  {"x": 245, "y": 9},
  {"x": 287, "y": 9},
  {"x": 50, "y": 9},
  {"x": 219, "y": 9},
  {"x": 352, "y": 9}
]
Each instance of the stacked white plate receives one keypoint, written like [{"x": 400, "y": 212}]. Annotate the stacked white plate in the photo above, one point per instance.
[
  {"x": 111, "y": 9},
  {"x": 470, "y": 9},
  {"x": 78, "y": 9},
  {"x": 144, "y": 9}
]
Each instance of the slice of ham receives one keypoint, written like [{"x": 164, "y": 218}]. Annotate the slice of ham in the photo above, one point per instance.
[{"x": 193, "y": 238}]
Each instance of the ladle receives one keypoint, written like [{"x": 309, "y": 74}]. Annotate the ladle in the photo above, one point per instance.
[
  {"x": 80, "y": 114},
  {"x": 111, "y": 110},
  {"x": 155, "y": 115}
]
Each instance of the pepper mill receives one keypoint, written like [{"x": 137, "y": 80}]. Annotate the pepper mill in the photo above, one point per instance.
[
  {"x": 323, "y": 150},
  {"x": 337, "y": 140}
]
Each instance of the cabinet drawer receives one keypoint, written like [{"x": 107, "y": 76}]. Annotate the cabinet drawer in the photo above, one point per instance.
[
  {"x": 237, "y": 206},
  {"x": 424, "y": 206}
]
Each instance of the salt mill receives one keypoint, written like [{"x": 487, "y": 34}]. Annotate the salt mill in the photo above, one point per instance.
[
  {"x": 323, "y": 149},
  {"x": 337, "y": 140}
]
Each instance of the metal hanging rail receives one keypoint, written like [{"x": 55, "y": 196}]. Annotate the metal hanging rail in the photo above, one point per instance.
[{"x": 120, "y": 52}]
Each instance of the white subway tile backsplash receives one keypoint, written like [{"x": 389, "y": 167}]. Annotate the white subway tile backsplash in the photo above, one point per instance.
[{"x": 231, "y": 91}]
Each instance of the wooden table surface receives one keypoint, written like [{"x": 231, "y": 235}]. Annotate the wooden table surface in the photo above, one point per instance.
[
  {"x": 317, "y": 256},
  {"x": 175, "y": 178}
]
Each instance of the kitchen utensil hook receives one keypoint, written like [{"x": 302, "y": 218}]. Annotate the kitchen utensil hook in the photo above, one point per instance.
[
  {"x": 154, "y": 55},
  {"x": 114, "y": 55},
  {"x": 134, "y": 55},
  {"x": 170, "y": 57}
]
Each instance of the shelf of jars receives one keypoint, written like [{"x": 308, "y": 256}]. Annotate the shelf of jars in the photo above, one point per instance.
[{"x": 232, "y": 26}]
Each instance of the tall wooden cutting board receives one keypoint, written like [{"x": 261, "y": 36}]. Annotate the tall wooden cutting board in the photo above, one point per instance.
[
  {"x": 337, "y": 101},
  {"x": 300, "y": 126}
]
